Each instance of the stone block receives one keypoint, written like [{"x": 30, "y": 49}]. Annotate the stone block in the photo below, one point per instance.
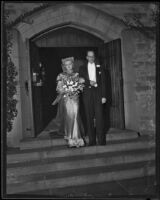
[
  {"x": 117, "y": 26},
  {"x": 114, "y": 34},
  {"x": 151, "y": 78},
  {"x": 147, "y": 124},
  {"x": 141, "y": 88},
  {"x": 144, "y": 118},
  {"x": 141, "y": 47},
  {"x": 40, "y": 18},
  {"x": 139, "y": 37},
  {"x": 55, "y": 12},
  {"x": 30, "y": 186},
  {"x": 21, "y": 26},
  {"x": 129, "y": 92},
  {"x": 105, "y": 21},
  {"x": 150, "y": 64},
  {"x": 26, "y": 28},
  {"x": 138, "y": 64},
  {"x": 142, "y": 72},
  {"x": 70, "y": 17},
  {"x": 139, "y": 57},
  {"x": 76, "y": 9},
  {"x": 40, "y": 27},
  {"x": 29, "y": 33}
]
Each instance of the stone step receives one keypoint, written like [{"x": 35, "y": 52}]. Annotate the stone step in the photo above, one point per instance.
[
  {"x": 53, "y": 140},
  {"x": 54, "y": 133},
  {"x": 79, "y": 157},
  {"x": 83, "y": 177},
  {"x": 63, "y": 151},
  {"x": 107, "y": 190},
  {"x": 29, "y": 172}
]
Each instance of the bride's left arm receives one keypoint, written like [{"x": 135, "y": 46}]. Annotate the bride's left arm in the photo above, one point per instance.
[{"x": 59, "y": 87}]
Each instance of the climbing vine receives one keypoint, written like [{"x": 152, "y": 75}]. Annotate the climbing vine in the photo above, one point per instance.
[
  {"x": 11, "y": 74},
  {"x": 135, "y": 22}
]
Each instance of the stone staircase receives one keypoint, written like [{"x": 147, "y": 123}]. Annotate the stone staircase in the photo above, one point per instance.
[{"x": 46, "y": 164}]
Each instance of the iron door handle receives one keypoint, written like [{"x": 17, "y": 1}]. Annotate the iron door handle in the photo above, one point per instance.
[{"x": 26, "y": 87}]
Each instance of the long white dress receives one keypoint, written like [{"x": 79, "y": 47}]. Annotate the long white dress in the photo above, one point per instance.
[{"x": 72, "y": 124}]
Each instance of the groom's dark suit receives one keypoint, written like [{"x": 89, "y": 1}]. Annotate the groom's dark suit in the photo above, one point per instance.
[{"x": 92, "y": 99}]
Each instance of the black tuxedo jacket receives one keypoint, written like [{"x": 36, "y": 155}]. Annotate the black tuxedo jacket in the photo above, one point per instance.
[{"x": 100, "y": 77}]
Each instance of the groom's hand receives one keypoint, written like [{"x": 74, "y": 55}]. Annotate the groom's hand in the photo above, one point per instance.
[
  {"x": 93, "y": 83},
  {"x": 103, "y": 100}
]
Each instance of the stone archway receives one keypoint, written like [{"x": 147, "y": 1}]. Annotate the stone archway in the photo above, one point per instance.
[
  {"x": 79, "y": 16},
  {"x": 82, "y": 16}
]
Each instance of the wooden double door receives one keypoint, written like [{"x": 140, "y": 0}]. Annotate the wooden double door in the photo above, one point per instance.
[{"x": 46, "y": 65}]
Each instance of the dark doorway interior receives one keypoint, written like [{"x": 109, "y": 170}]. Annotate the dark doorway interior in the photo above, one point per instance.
[{"x": 51, "y": 61}]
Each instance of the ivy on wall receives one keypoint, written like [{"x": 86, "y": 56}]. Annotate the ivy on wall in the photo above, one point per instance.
[
  {"x": 29, "y": 13},
  {"x": 9, "y": 66},
  {"x": 134, "y": 22},
  {"x": 11, "y": 74}
]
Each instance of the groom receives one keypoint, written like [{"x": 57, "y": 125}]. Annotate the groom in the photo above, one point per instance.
[{"x": 94, "y": 96}]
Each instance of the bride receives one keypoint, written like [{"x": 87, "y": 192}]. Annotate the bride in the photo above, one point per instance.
[{"x": 69, "y": 100}]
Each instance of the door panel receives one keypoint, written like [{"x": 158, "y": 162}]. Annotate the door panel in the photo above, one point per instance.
[
  {"x": 36, "y": 89},
  {"x": 113, "y": 61}
]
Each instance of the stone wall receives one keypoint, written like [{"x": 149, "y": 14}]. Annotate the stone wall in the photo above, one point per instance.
[
  {"x": 144, "y": 66},
  {"x": 139, "y": 81}
]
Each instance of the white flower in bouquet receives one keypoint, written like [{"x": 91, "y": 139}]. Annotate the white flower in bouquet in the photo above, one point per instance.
[
  {"x": 72, "y": 89},
  {"x": 71, "y": 86}
]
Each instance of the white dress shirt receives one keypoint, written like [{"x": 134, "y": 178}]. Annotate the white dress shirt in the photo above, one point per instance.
[{"x": 92, "y": 71}]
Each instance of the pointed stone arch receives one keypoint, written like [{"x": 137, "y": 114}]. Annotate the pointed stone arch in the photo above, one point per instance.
[{"x": 80, "y": 16}]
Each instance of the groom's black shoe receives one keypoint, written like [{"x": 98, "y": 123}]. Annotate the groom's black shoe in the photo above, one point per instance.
[
  {"x": 102, "y": 143},
  {"x": 91, "y": 144}
]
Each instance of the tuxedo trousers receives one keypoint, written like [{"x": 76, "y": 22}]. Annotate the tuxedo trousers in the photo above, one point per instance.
[{"x": 92, "y": 100}]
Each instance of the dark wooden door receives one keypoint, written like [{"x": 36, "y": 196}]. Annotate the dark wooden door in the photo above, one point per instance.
[
  {"x": 113, "y": 63},
  {"x": 36, "y": 89}
]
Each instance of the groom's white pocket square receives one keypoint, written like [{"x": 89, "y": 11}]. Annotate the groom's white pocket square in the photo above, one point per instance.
[{"x": 97, "y": 65}]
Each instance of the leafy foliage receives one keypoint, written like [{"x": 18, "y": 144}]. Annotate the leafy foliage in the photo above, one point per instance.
[
  {"x": 135, "y": 22},
  {"x": 11, "y": 74}
]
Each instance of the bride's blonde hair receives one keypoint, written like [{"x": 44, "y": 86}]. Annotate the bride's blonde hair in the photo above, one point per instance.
[{"x": 65, "y": 60}]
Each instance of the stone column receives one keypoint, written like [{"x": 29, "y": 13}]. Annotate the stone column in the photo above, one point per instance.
[{"x": 14, "y": 137}]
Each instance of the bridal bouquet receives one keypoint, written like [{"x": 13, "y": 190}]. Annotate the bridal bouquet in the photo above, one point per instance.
[{"x": 70, "y": 86}]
